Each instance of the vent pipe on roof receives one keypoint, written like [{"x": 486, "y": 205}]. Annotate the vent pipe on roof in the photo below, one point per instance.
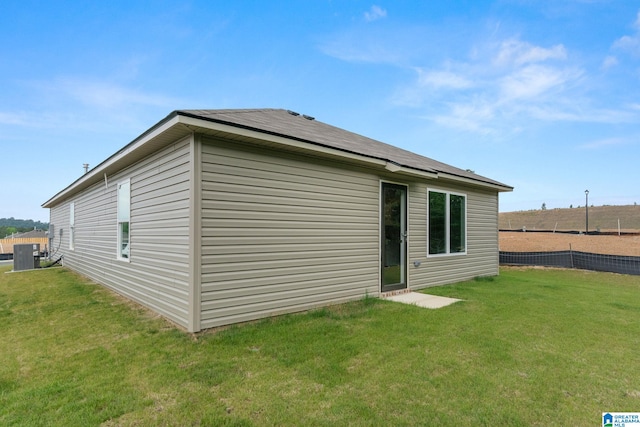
[{"x": 293, "y": 113}]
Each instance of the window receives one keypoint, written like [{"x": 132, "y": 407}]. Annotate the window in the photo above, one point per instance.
[
  {"x": 124, "y": 213},
  {"x": 447, "y": 223},
  {"x": 72, "y": 225}
]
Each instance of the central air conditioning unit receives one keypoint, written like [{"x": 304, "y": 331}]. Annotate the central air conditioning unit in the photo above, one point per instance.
[{"x": 26, "y": 256}]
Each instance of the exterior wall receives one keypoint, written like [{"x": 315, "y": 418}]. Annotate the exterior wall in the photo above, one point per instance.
[
  {"x": 481, "y": 258},
  {"x": 228, "y": 232},
  {"x": 283, "y": 233},
  {"x": 157, "y": 275}
]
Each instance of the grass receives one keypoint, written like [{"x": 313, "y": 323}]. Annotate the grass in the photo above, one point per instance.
[{"x": 530, "y": 347}]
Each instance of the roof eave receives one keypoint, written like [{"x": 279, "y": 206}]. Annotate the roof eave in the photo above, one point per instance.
[
  {"x": 391, "y": 166},
  {"x": 477, "y": 182},
  {"x": 186, "y": 123},
  {"x": 105, "y": 168},
  {"x": 403, "y": 170},
  {"x": 309, "y": 145},
  {"x": 254, "y": 133}
]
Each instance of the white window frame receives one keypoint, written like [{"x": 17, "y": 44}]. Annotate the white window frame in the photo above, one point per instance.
[
  {"x": 72, "y": 226},
  {"x": 447, "y": 214},
  {"x": 123, "y": 215}
]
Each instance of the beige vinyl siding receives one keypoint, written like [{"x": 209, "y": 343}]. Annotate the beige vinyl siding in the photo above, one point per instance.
[
  {"x": 59, "y": 220},
  {"x": 157, "y": 274},
  {"x": 481, "y": 258},
  {"x": 283, "y": 233}
]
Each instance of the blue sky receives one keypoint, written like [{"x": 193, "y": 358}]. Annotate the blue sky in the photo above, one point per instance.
[{"x": 541, "y": 95}]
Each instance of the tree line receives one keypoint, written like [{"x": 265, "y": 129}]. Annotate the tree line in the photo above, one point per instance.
[{"x": 12, "y": 225}]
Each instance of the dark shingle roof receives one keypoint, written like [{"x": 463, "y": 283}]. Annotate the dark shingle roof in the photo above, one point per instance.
[
  {"x": 37, "y": 234},
  {"x": 275, "y": 122},
  {"x": 300, "y": 127}
]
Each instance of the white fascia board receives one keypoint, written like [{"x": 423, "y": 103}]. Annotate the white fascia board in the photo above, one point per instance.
[
  {"x": 99, "y": 172},
  {"x": 396, "y": 168},
  {"x": 476, "y": 182}
]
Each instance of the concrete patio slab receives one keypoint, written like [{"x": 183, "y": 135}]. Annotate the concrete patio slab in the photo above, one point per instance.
[{"x": 423, "y": 300}]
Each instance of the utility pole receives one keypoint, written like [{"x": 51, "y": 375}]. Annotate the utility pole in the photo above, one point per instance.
[{"x": 586, "y": 194}]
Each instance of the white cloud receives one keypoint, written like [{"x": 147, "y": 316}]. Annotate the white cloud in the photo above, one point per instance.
[
  {"x": 109, "y": 95},
  {"x": 83, "y": 104},
  {"x": 427, "y": 84},
  {"x": 374, "y": 44},
  {"x": 567, "y": 111},
  {"x": 603, "y": 143},
  {"x": 471, "y": 117},
  {"x": 630, "y": 43},
  {"x": 514, "y": 81},
  {"x": 516, "y": 52},
  {"x": 36, "y": 119},
  {"x": 498, "y": 88},
  {"x": 443, "y": 79},
  {"x": 96, "y": 93},
  {"x": 534, "y": 81},
  {"x": 361, "y": 52},
  {"x": 375, "y": 13},
  {"x": 398, "y": 44},
  {"x": 609, "y": 62},
  {"x": 13, "y": 119}
]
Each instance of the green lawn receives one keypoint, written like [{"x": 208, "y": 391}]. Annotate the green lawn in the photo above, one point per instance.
[{"x": 531, "y": 347}]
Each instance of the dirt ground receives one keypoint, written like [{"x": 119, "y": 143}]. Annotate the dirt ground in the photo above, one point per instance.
[{"x": 542, "y": 242}]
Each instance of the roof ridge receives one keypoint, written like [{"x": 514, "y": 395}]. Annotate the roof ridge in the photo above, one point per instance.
[{"x": 232, "y": 110}]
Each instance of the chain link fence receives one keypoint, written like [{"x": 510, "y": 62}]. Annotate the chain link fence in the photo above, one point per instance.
[{"x": 574, "y": 259}]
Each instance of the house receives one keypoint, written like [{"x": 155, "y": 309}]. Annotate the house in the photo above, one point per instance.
[{"x": 213, "y": 217}]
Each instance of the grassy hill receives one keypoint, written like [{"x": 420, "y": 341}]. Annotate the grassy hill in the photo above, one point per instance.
[{"x": 603, "y": 217}]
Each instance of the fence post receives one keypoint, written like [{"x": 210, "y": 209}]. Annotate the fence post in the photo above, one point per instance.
[{"x": 571, "y": 255}]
